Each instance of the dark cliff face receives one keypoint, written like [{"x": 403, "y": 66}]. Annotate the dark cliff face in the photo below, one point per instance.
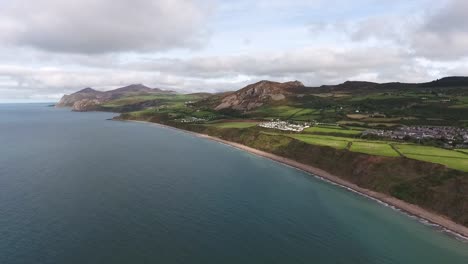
[{"x": 255, "y": 95}]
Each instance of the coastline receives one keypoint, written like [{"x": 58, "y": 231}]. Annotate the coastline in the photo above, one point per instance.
[{"x": 424, "y": 216}]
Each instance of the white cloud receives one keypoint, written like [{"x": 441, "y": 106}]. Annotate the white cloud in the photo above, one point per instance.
[{"x": 89, "y": 26}]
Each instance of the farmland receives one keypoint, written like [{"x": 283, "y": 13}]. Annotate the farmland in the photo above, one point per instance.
[
  {"x": 234, "y": 124},
  {"x": 451, "y": 158},
  {"x": 321, "y": 141},
  {"x": 373, "y": 148},
  {"x": 332, "y": 130}
]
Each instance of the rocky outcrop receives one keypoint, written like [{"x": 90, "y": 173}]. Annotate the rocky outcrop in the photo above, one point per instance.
[
  {"x": 257, "y": 94},
  {"x": 85, "y": 105}
]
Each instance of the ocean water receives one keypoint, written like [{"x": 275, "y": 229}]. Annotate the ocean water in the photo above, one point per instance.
[{"x": 77, "y": 188}]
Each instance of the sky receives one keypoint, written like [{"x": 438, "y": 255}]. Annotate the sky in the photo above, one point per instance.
[{"x": 52, "y": 47}]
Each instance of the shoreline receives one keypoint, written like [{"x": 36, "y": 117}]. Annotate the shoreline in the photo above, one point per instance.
[{"x": 424, "y": 216}]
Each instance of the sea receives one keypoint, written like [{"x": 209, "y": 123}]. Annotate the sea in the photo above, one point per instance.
[{"x": 81, "y": 188}]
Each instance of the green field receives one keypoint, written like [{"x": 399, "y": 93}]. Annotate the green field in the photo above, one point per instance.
[
  {"x": 408, "y": 149},
  {"x": 450, "y": 158},
  {"x": 321, "y": 141},
  {"x": 284, "y": 112},
  {"x": 372, "y": 148},
  {"x": 332, "y": 130},
  {"x": 234, "y": 124},
  {"x": 451, "y": 162},
  {"x": 378, "y": 148},
  {"x": 463, "y": 150}
]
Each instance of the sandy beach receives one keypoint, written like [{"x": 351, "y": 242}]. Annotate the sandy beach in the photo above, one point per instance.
[{"x": 440, "y": 222}]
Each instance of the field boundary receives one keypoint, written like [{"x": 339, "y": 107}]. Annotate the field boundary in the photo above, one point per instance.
[{"x": 397, "y": 150}]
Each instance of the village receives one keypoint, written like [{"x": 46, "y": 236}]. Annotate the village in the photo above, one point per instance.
[
  {"x": 449, "y": 135},
  {"x": 284, "y": 126}
]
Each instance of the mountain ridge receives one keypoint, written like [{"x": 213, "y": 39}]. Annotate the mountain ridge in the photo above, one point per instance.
[
  {"x": 87, "y": 97},
  {"x": 256, "y": 94}
]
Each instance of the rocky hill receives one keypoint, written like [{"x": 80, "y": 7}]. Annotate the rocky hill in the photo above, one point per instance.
[
  {"x": 257, "y": 94},
  {"x": 85, "y": 94},
  {"x": 88, "y": 98}
]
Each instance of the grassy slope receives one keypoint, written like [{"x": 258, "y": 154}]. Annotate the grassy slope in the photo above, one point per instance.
[
  {"x": 320, "y": 140},
  {"x": 379, "y": 149},
  {"x": 234, "y": 124},
  {"x": 330, "y": 130},
  {"x": 450, "y": 158}
]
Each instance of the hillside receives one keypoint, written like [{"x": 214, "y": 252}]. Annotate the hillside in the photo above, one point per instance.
[
  {"x": 257, "y": 94},
  {"x": 89, "y": 99},
  {"x": 87, "y": 93}
]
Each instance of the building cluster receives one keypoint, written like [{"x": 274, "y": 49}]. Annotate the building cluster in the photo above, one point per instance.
[
  {"x": 192, "y": 120},
  {"x": 285, "y": 126},
  {"x": 448, "y": 134}
]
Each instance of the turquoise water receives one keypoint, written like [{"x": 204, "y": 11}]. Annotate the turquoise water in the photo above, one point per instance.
[{"x": 77, "y": 188}]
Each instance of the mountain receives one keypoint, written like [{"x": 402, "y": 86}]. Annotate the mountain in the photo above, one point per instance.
[
  {"x": 351, "y": 85},
  {"x": 134, "y": 88},
  {"x": 85, "y": 94},
  {"x": 454, "y": 81},
  {"x": 86, "y": 98},
  {"x": 257, "y": 94},
  {"x": 358, "y": 86}
]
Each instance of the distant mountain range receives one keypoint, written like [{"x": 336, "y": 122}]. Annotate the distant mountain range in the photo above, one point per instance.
[
  {"x": 263, "y": 92},
  {"x": 255, "y": 95},
  {"x": 88, "y": 97}
]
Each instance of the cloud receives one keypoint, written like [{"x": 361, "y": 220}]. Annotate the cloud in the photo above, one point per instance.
[
  {"x": 89, "y": 26},
  {"x": 435, "y": 32},
  {"x": 312, "y": 61},
  {"x": 52, "y": 47},
  {"x": 219, "y": 73},
  {"x": 444, "y": 33}
]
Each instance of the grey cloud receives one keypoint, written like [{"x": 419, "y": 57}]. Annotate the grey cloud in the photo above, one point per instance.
[
  {"x": 279, "y": 65},
  {"x": 444, "y": 34},
  {"x": 89, "y": 26},
  {"x": 389, "y": 28},
  {"x": 438, "y": 33}
]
